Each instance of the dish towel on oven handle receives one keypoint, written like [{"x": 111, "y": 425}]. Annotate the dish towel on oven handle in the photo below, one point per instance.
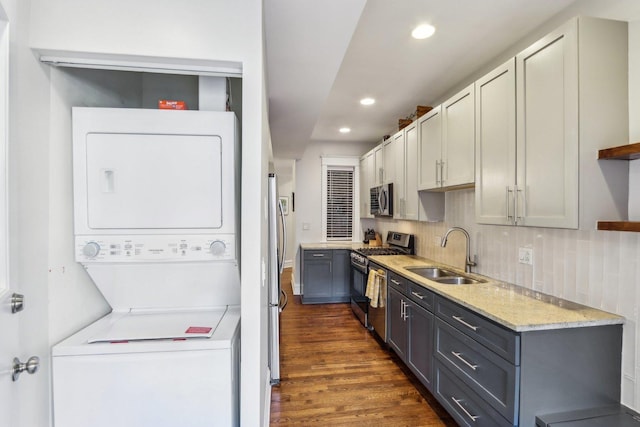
[{"x": 376, "y": 288}]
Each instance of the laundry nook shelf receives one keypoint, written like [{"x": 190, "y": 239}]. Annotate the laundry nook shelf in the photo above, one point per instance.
[{"x": 622, "y": 152}]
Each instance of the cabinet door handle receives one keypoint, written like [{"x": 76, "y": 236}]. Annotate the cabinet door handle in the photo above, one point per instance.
[
  {"x": 442, "y": 170},
  {"x": 522, "y": 212},
  {"x": 437, "y": 167},
  {"x": 318, "y": 255},
  {"x": 403, "y": 310},
  {"x": 510, "y": 217},
  {"x": 463, "y": 360},
  {"x": 395, "y": 281},
  {"x": 457, "y": 402},
  {"x": 417, "y": 295},
  {"x": 461, "y": 320}
]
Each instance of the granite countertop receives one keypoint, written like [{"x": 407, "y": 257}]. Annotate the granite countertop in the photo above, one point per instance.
[
  {"x": 517, "y": 308},
  {"x": 334, "y": 245}
]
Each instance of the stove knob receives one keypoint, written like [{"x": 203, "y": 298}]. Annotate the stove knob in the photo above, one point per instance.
[
  {"x": 218, "y": 247},
  {"x": 91, "y": 250}
]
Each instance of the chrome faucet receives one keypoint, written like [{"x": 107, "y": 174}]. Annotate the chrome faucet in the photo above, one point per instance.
[{"x": 469, "y": 262}]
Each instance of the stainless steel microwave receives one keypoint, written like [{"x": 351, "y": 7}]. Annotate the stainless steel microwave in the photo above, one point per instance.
[{"x": 381, "y": 199}]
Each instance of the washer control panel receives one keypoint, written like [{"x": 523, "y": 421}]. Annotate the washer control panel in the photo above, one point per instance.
[{"x": 155, "y": 248}]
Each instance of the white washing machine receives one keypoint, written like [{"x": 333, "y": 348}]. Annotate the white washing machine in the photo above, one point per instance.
[{"x": 155, "y": 218}]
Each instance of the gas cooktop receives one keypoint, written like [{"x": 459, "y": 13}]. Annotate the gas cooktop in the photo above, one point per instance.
[
  {"x": 380, "y": 251},
  {"x": 399, "y": 244}
]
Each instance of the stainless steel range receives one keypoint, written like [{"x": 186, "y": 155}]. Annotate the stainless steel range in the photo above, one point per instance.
[{"x": 373, "y": 319}]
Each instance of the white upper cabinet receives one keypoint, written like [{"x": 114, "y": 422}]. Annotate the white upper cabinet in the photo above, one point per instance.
[
  {"x": 396, "y": 175},
  {"x": 446, "y": 137},
  {"x": 410, "y": 203},
  {"x": 378, "y": 166},
  {"x": 458, "y": 139},
  {"x": 367, "y": 172},
  {"x": 547, "y": 121},
  {"x": 536, "y": 165},
  {"x": 496, "y": 145},
  {"x": 430, "y": 149},
  {"x": 388, "y": 159}
]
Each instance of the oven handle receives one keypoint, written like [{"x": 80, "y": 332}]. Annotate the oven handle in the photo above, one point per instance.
[{"x": 361, "y": 268}]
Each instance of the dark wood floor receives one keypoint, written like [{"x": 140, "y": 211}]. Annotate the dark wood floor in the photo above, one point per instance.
[{"x": 335, "y": 373}]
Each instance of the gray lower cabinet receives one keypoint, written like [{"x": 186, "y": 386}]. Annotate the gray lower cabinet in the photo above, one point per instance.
[
  {"x": 487, "y": 375},
  {"x": 411, "y": 326},
  {"x": 325, "y": 275},
  {"x": 397, "y": 323}
]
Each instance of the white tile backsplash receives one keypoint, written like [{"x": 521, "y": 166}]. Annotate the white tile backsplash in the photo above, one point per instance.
[{"x": 596, "y": 268}]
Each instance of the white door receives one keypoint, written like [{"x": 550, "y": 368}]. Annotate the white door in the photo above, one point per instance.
[{"x": 8, "y": 321}]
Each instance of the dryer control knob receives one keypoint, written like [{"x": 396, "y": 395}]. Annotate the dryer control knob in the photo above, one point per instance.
[
  {"x": 218, "y": 247},
  {"x": 91, "y": 250}
]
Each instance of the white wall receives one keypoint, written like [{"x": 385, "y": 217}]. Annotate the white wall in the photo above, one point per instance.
[
  {"x": 210, "y": 30},
  {"x": 308, "y": 192}
]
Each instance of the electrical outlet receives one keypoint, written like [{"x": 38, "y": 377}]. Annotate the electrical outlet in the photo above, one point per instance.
[
  {"x": 306, "y": 225},
  {"x": 525, "y": 256}
]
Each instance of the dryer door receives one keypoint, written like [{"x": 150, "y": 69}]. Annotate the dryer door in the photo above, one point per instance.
[
  {"x": 139, "y": 181},
  {"x": 138, "y": 171}
]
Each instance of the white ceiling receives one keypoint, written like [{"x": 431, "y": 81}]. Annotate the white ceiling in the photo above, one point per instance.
[{"x": 324, "y": 56}]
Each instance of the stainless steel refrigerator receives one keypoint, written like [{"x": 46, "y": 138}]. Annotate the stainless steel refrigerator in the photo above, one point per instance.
[{"x": 277, "y": 297}]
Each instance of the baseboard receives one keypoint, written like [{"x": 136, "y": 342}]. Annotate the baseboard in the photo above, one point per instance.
[{"x": 288, "y": 263}]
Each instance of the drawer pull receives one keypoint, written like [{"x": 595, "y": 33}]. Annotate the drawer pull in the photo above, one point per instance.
[
  {"x": 459, "y": 319},
  {"x": 463, "y": 360},
  {"x": 395, "y": 282},
  {"x": 457, "y": 402},
  {"x": 417, "y": 295},
  {"x": 318, "y": 255}
]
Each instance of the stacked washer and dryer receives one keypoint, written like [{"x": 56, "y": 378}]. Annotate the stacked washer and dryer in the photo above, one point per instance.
[{"x": 156, "y": 209}]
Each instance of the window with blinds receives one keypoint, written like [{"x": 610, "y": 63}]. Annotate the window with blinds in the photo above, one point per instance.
[{"x": 339, "y": 204}]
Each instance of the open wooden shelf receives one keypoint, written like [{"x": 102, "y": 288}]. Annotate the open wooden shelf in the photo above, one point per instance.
[
  {"x": 619, "y": 225},
  {"x": 623, "y": 152}
]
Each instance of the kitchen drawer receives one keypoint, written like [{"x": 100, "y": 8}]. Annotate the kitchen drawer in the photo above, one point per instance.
[
  {"x": 462, "y": 403},
  {"x": 318, "y": 254},
  {"x": 487, "y": 374},
  {"x": 398, "y": 282},
  {"x": 421, "y": 296},
  {"x": 502, "y": 341}
]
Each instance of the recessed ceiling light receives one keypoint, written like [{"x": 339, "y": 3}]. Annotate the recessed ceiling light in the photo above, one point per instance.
[
  {"x": 423, "y": 31},
  {"x": 345, "y": 130},
  {"x": 367, "y": 101}
]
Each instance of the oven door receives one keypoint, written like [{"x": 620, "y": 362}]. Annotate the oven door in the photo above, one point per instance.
[{"x": 358, "y": 288}]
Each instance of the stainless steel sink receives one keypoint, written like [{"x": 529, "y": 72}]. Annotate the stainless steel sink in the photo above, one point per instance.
[
  {"x": 457, "y": 280},
  {"x": 431, "y": 272},
  {"x": 443, "y": 276}
]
